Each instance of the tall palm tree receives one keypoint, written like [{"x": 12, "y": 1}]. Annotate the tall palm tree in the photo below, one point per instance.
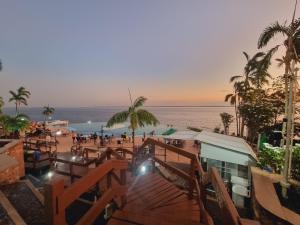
[
  {"x": 234, "y": 99},
  {"x": 48, "y": 111},
  {"x": 137, "y": 116},
  {"x": 19, "y": 97},
  {"x": 291, "y": 32}
]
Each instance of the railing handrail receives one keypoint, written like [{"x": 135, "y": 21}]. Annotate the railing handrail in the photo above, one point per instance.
[
  {"x": 223, "y": 195},
  {"x": 169, "y": 147},
  {"x": 58, "y": 198}
]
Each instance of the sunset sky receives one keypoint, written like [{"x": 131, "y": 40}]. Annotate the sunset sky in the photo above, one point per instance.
[{"x": 88, "y": 53}]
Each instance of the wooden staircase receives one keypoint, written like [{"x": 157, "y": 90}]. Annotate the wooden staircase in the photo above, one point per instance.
[{"x": 153, "y": 200}]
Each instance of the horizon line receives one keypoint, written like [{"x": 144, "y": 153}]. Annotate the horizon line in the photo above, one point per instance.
[{"x": 157, "y": 106}]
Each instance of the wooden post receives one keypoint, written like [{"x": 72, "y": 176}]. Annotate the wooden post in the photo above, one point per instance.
[
  {"x": 108, "y": 180},
  {"x": 71, "y": 172},
  {"x": 192, "y": 176},
  {"x": 152, "y": 156},
  {"x": 165, "y": 154},
  {"x": 54, "y": 213},
  {"x": 123, "y": 183}
]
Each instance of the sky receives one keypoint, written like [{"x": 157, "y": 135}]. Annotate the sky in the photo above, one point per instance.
[{"x": 89, "y": 52}]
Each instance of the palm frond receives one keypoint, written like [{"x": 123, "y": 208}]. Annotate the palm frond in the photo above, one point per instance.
[
  {"x": 139, "y": 102},
  {"x": 246, "y": 55},
  {"x": 146, "y": 118},
  {"x": 120, "y": 117},
  {"x": 234, "y": 78},
  {"x": 269, "y": 33},
  {"x": 227, "y": 97}
]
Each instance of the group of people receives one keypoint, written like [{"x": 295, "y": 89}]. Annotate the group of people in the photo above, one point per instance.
[{"x": 80, "y": 138}]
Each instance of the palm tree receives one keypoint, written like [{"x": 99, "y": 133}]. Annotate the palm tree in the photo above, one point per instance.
[
  {"x": 48, "y": 111},
  {"x": 19, "y": 98},
  {"x": 291, "y": 32},
  {"x": 137, "y": 116},
  {"x": 227, "y": 119},
  {"x": 234, "y": 99}
]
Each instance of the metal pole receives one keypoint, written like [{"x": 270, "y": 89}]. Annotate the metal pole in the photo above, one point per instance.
[{"x": 284, "y": 182}]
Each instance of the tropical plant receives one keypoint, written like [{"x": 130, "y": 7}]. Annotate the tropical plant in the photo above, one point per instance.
[
  {"x": 13, "y": 125},
  {"x": 291, "y": 32},
  {"x": 227, "y": 119},
  {"x": 19, "y": 97},
  {"x": 137, "y": 116},
  {"x": 47, "y": 112}
]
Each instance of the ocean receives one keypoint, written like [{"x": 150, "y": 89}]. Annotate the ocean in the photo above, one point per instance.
[{"x": 179, "y": 117}]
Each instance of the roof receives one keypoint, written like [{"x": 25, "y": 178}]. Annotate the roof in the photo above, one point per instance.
[
  {"x": 183, "y": 135},
  {"x": 225, "y": 141}
]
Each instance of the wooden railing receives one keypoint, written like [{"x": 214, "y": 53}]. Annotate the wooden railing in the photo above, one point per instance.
[
  {"x": 228, "y": 210},
  {"x": 195, "y": 183},
  {"x": 57, "y": 198}
]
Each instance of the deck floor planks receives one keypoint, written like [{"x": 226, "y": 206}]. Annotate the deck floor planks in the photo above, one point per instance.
[{"x": 153, "y": 200}]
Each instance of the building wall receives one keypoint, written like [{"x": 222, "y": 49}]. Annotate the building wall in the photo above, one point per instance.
[
  {"x": 223, "y": 154},
  {"x": 15, "y": 171}
]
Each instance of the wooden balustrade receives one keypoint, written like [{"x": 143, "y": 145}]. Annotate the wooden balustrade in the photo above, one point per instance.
[
  {"x": 57, "y": 198},
  {"x": 228, "y": 210}
]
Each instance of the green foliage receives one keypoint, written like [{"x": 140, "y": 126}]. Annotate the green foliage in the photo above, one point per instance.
[
  {"x": 269, "y": 157},
  {"x": 295, "y": 169},
  {"x": 137, "y": 117},
  {"x": 256, "y": 115},
  {"x": 274, "y": 158},
  {"x": 13, "y": 125},
  {"x": 227, "y": 119},
  {"x": 48, "y": 111}
]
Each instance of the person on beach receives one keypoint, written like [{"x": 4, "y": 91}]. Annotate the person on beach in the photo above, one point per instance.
[
  {"x": 144, "y": 136},
  {"x": 74, "y": 136},
  {"x": 95, "y": 138}
]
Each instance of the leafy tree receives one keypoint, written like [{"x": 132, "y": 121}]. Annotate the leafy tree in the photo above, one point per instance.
[
  {"x": 257, "y": 114},
  {"x": 19, "y": 97},
  {"x": 227, "y": 119},
  {"x": 13, "y": 125},
  {"x": 47, "y": 111},
  {"x": 137, "y": 116}
]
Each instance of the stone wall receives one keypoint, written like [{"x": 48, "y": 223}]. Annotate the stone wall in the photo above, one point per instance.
[{"x": 11, "y": 161}]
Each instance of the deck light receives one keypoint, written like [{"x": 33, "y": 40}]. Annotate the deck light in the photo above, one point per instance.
[
  {"x": 143, "y": 169},
  {"x": 50, "y": 174},
  {"x": 89, "y": 122},
  {"x": 58, "y": 133},
  {"x": 73, "y": 158}
]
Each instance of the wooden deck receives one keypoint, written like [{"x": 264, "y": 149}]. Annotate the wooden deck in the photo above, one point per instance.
[{"x": 153, "y": 200}]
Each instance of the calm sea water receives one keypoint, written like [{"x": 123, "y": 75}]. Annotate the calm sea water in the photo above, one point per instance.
[{"x": 178, "y": 117}]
